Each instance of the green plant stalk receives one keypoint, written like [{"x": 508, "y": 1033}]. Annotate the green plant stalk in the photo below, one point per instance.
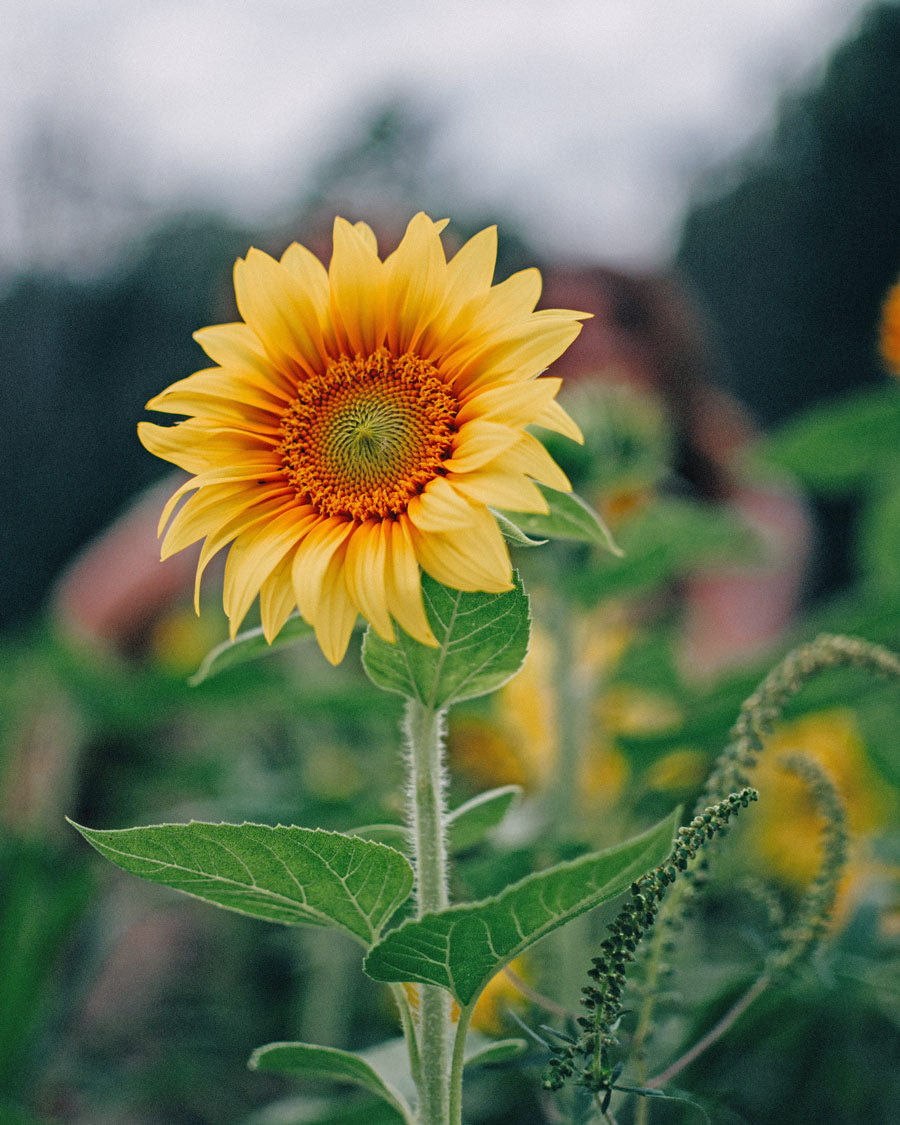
[
  {"x": 427, "y": 822},
  {"x": 458, "y": 1062},
  {"x": 574, "y": 688},
  {"x": 563, "y": 796}
]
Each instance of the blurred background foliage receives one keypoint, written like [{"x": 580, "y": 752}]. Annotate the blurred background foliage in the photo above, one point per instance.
[{"x": 122, "y": 1004}]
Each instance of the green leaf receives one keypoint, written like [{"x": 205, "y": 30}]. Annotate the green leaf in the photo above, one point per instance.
[
  {"x": 460, "y": 949},
  {"x": 472, "y": 820},
  {"x": 512, "y": 533},
  {"x": 835, "y": 447},
  {"x": 482, "y": 641},
  {"x": 466, "y": 825},
  {"x": 249, "y": 645},
  {"x": 879, "y": 538},
  {"x": 394, "y": 835},
  {"x": 569, "y": 518},
  {"x": 483, "y": 1052},
  {"x": 298, "y": 876},
  {"x": 305, "y": 1060},
  {"x": 382, "y": 1070}
]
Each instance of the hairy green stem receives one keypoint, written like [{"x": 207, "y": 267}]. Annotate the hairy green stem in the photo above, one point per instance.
[
  {"x": 407, "y": 1022},
  {"x": 457, "y": 1064},
  {"x": 565, "y": 787},
  {"x": 427, "y": 824}
]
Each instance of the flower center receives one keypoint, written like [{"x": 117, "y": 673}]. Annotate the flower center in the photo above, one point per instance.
[{"x": 363, "y": 438}]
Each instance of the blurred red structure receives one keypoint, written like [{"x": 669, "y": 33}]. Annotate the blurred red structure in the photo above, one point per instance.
[{"x": 647, "y": 333}]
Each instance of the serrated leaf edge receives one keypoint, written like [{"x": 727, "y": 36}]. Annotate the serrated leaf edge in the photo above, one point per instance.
[
  {"x": 468, "y": 909},
  {"x": 327, "y": 919}
]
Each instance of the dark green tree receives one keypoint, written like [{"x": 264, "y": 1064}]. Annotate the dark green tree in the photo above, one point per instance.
[
  {"x": 78, "y": 358},
  {"x": 792, "y": 248}
]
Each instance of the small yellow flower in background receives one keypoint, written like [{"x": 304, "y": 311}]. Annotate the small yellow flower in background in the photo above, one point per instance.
[
  {"x": 500, "y": 996},
  {"x": 786, "y": 833},
  {"x": 358, "y": 425},
  {"x": 179, "y": 641},
  {"x": 889, "y": 339},
  {"x": 682, "y": 768},
  {"x": 490, "y": 1015},
  {"x": 519, "y": 742}
]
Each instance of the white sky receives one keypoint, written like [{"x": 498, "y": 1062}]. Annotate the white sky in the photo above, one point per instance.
[{"x": 589, "y": 120}]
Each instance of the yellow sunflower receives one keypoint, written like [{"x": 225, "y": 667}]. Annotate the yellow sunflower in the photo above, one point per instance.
[{"x": 359, "y": 424}]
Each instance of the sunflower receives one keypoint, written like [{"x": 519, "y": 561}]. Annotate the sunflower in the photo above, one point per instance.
[{"x": 359, "y": 425}]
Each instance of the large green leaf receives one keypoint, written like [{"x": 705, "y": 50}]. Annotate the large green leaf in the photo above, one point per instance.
[
  {"x": 249, "y": 645},
  {"x": 305, "y": 1060},
  {"x": 482, "y": 641},
  {"x": 298, "y": 876},
  {"x": 569, "y": 517},
  {"x": 460, "y": 949},
  {"x": 837, "y": 446}
]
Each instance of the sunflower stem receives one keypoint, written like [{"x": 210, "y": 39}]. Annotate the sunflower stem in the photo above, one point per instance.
[
  {"x": 563, "y": 799},
  {"x": 427, "y": 826}
]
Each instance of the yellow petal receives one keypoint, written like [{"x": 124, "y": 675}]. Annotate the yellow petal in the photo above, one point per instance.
[
  {"x": 416, "y": 283},
  {"x": 256, "y": 516},
  {"x": 276, "y": 598},
  {"x": 511, "y": 300},
  {"x": 237, "y": 347},
  {"x": 357, "y": 289},
  {"x": 213, "y": 410},
  {"x": 404, "y": 582},
  {"x": 499, "y": 489},
  {"x": 254, "y": 555},
  {"x": 517, "y": 354},
  {"x": 469, "y": 276},
  {"x": 515, "y": 404},
  {"x": 471, "y": 269},
  {"x": 313, "y": 279},
  {"x": 306, "y": 268},
  {"x": 213, "y": 384},
  {"x": 366, "y": 233},
  {"x": 364, "y": 576},
  {"x": 555, "y": 418},
  {"x": 336, "y": 614},
  {"x": 473, "y": 559},
  {"x": 505, "y": 315},
  {"x": 529, "y": 456},
  {"x": 477, "y": 443},
  {"x": 439, "y": 508},
  {"x": 311, "y": 561},
  {"x": 169, "y": 443},
  {"x": 280, "y": 312},
  {"x": 208, "y": 509}
]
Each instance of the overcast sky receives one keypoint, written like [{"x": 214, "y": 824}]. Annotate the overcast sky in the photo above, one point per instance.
[{"x": 590, "y": 120}]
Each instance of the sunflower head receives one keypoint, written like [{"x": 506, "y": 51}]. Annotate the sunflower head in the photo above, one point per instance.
[{"x": 357, "y": 427}]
